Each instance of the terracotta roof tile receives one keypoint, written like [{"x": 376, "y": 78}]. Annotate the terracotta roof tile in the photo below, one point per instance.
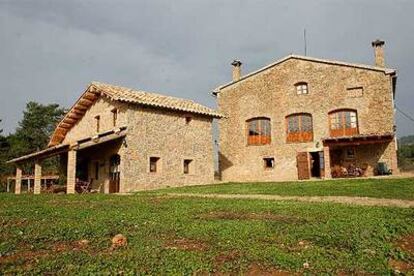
[{"x": 125, "y": 94}]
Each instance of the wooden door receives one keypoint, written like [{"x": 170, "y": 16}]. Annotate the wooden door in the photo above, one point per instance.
[
  {"x": 302, "y": 163},
  {"x": 114, "y": 173},
  {"x": 114, "y": 183}
]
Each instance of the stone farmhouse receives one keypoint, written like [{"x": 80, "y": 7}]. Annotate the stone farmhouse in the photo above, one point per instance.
[
  {"x": 115, "y": 139},
  {"x": 304, "y": 117}
]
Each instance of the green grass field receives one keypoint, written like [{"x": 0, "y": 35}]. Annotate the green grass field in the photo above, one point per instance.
[
  {"x": 380, "y": 188},
  {"x": 42, "y": 234}
]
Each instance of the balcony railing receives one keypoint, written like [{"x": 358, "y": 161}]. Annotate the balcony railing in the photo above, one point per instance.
[
  {"x": 258, "y": 139},
  {"x": 344, "y": 132},
  {"x": 298, "y": 137}
]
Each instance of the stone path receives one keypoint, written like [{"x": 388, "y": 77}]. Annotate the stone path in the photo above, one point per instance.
[{"x": 363, "y": 201}]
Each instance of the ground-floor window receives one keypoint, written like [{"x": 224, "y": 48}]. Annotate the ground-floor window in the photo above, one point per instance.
[
  {"x": 153, "y": 164},
  {"x": 269, "y": 162},
  {"x": 187, "y": 166}
]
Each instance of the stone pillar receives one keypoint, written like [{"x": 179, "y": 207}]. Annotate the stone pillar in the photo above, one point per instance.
[
  {"x": 71, "y": 172},
  {"x": 394, "y": 157},
  {"x": 327, "y": 165},
  {"x": 18, "y": 185},
  {"x": 37, "y": 177}
]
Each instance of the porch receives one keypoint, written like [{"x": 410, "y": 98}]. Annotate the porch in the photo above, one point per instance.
[
  {"x": 360, "y": 155},
  {"x": 92, "y": 164}
]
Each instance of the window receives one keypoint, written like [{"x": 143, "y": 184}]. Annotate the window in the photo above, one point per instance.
[
  {"x": 187, "y": 167},
  {"x": 259, "y": 131},
  {"x": 98, "y": 123},
  {"x": 188, "y": 120},
  {"x": 114, "y": 116},
  {"x": 301, "y": 88},
  {"x": 343, "y": 123},
  {"x": 299, "y": 128},
  {"x": 96, "y": 170},
  {"x": 153, "y": 164},
  {"x": 269, "y": 162}
]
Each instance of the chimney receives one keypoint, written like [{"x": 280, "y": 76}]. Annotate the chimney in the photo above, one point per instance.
[
  {"x": 236, "y": 69},
  {"x": 378, "y": 46}
]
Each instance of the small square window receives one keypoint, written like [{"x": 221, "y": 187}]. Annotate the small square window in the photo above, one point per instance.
[
  {"x": 187, "y": 166},
  {"x": 188, "y": 120},
  {"x": 154, "y": 164},
  {"x": 301, "y": 88},
  {"x": 269, "y": 162}
]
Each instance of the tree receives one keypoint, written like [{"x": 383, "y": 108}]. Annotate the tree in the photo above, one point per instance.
[
  {"x": 33, "y": 132},
  {"x": 36, "y": 127}
]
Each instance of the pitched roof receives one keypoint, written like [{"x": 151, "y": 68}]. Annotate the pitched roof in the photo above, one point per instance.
[
  {"x": 326, "y": 61},
  {"x": 124, "y": 94},
  {"x": 128, "y": 95}
]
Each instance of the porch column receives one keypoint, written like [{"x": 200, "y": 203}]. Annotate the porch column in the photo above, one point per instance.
[
  {"x": 327, "y": 165},
  {"x": 37, "y": 177},
  {"x": 18, "y": 185},
  {"x": 71, "y": 172},
  {"x": 394, "y": 158}
]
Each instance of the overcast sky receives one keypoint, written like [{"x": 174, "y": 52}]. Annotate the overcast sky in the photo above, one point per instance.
[{"x": 51, "y": 50}]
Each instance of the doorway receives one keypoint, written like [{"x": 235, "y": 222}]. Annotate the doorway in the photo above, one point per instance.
[
  {"x": 316, "y": 163},
  {"x": 114, "y": 173}
]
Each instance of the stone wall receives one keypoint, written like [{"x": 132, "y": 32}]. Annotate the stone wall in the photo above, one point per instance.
[
  {"x": 166, "y": 135},
  {"x": 272, "y": 94},
  {"x": 86, "y": 127}
]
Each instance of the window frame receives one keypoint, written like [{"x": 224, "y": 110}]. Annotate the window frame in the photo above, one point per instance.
[
  {"x": 98, "y": 123},
  {"x": 299, "y": 88},
  {"x": 341, "y": 118},
  {"x": 154, "y": 160},
  {"x": 300, "y": 136},
  {"x": 265, "y": 160},
  {"x": 261, "y": 125},
  {"x": 187, "y": 166},
  {"x": 114, "y": 117}
]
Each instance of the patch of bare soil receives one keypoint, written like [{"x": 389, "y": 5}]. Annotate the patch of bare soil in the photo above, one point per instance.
[
  {"x": 29, "y": 256},
  {"x": 400, "y": 266},
  {"x": 362, "y": 201},
  {"x": 406, "y": 243},
  {"x": 257, "y": 269},
  {"x": 250, "y": 216},
  {"x": 187, "y": 244},
  {"x": 227, "y": 257},
  {"x": 14, "y": 222}
]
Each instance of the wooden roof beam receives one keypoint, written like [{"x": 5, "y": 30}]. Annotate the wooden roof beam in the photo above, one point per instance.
[
  {"x": 65, "y": 125},
  {"x": 85, "y": 102},
  {"x": 69, "y": 120}
]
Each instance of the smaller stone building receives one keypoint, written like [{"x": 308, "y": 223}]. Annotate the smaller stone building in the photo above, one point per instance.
[
  {"x": 303, "y": 117},
  {"x": 115, "y": 139}
]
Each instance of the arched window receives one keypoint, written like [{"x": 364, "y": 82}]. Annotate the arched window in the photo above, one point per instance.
[
  {"x": 301, "y": 88},
  {"x": 258, "y": 131},
  {"x": 343, "y": 122},
  {"x": 299, "y": 128}
]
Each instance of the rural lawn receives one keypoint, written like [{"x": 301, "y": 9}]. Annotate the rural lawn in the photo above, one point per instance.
[
  {"x": 178, "y": 235},
  {"x": 396, "y": 188}
]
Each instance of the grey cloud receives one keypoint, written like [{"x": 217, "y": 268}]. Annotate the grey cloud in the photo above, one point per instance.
[{"x": 50, "y": 50}]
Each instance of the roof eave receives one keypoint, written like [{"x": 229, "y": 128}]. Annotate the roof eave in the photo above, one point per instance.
[{"x": 387, "y": 71}]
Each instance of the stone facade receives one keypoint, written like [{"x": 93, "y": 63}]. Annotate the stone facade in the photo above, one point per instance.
[
  {"x": 171, "y": 136},
  {"x": 271, "y": 93}
]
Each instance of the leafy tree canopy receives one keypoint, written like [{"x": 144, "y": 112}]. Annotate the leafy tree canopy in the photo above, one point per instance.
[{"x": 36, "y": 127}]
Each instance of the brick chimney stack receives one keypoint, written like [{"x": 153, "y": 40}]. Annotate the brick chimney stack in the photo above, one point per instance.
[
  {"x": 236, "y": 69},
  {"x": 378, "y": 46}
]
